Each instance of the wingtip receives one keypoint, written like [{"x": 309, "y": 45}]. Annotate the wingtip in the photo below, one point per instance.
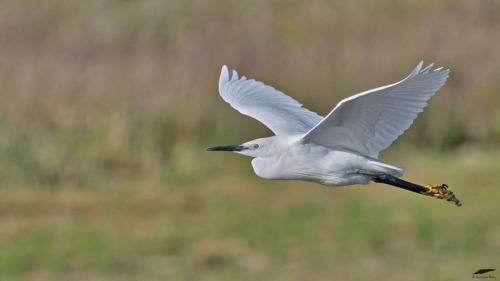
[
  {"x": 224, "y": 76},
  {"x": 417, "y": 69},
  {"x": 428, "y": 69},
  {"x": 441, "y": 70}
]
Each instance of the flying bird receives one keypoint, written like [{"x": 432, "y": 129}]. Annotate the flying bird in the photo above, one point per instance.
[{"x": 341, "y": 148}]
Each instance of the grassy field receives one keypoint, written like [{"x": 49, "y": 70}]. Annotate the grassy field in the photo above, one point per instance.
[
  {"x": 107, "y": 107},
  {"x": 227, "y": 225}
]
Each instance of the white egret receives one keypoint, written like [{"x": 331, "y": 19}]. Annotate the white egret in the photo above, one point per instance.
[{"x": 342, "y": 148}]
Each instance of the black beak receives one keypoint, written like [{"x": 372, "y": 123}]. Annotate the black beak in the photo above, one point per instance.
[{"x": 226, "y": 148}]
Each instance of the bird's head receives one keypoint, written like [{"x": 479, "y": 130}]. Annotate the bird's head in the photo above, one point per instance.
[{"x": 255, "y": 148}]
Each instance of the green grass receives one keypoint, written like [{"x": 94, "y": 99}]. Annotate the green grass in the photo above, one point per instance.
[{"x": 241, "y": 227}]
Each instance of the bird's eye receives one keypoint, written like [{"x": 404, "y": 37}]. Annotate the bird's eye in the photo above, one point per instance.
[{"x": 255, "y": 146}]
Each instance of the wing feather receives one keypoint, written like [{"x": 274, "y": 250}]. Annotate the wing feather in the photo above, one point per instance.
[
  {"x": 277, "y": 111},
  {"x": 370, "y": 121}
]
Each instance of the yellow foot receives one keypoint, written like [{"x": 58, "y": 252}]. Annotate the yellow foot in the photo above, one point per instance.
[{"x": 441, "y": 191}]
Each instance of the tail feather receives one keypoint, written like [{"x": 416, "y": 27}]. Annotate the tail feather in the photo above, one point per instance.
[{"x": 391, "y": 170}]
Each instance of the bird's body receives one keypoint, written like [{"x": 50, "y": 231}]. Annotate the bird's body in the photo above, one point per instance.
[
  {"x": 341, "y": 148},
  {"x": 287, "y": 157}
]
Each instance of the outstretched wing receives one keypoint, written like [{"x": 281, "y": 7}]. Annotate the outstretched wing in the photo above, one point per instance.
[
  {"x": 277, "y": 111},
  {"x": 370, "y": 121}
]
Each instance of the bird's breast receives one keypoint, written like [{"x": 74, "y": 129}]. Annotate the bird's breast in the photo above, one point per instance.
[{"x": 272, "y": 168}]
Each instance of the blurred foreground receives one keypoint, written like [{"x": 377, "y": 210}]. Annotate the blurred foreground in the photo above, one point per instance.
[
  {"x": 107, "y": 107},
  {"x": 219, "y": 224}
]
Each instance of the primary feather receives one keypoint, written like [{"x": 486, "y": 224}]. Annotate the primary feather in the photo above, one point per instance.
[
  {"x": 369, "y": 122},
  {"x": 279, "y": 112}
]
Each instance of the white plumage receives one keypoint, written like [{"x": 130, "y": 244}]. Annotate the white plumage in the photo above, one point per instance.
[
  {"x": 277, "y": 111},
  {"x": 330, "y": 150},
  {"x": 370, "y": 121}
]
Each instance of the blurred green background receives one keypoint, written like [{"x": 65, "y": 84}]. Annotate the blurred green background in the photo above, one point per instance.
[{"x": 107, "y": 107}]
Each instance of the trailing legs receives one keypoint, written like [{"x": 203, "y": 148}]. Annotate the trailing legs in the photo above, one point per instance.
[{"x": 439, "y": 191}]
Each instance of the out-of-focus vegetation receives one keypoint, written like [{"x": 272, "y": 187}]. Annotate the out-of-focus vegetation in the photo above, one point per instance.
[{"x": 107, "y": 107}]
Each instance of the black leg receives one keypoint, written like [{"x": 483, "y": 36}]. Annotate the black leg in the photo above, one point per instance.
[
  {"x": 437, "y": 191},
  {"x": 391, "y": 180}
]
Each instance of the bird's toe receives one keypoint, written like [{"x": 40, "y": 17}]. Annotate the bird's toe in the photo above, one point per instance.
[{"x": 440, "y": 191}]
